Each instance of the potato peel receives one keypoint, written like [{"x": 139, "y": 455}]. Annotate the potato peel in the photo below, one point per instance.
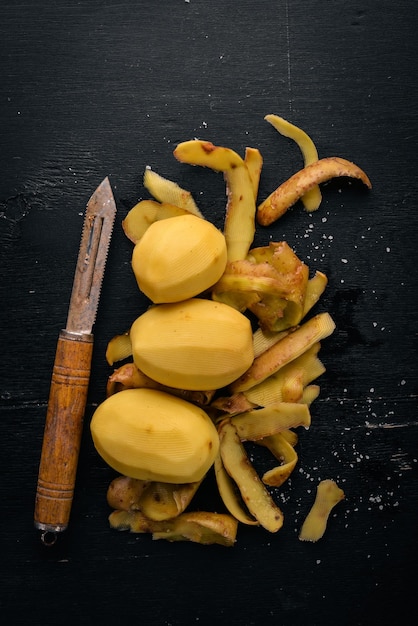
[
  {"x": 239, "y": 225},
  {"x": 254, "y": 162},
  {"x": 167, "y": 191},
  {"x": 253, "y": 492},
  {"x": 289, "y": 192},
  {"x": 304, "y": 369},
  {"x": 118, "y": 348},
  {"x": 201, "y": 527},
  {"x": 314, "y": 289},
  {"x": 260, "y": 423},
  {"x": 271, "y": 282},
  {"x": 125, "y": 493},
  {"x": 162, "y": 501},
  {"x": 284, "y": 452},
  {"x": 128, "y": 376},
  {"x": 264, "y": 339},
  {"x": 328, "y": 494},
  {"x": 145, "y": 213},
  {"x": 229, "y": 493},
  {"x": 285, "y": 351},
  {"x": 312, "y": 198}
]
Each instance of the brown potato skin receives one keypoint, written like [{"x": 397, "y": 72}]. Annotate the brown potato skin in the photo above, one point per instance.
[
  {"x": 125, "y": 493},
  {"x": 289, "y": 192}
]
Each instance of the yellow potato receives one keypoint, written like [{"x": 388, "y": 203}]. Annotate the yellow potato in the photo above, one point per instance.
[
  {"x": 196, "y": 344},
  {"x": 151, "y": 435},
  {"x": 179, "y": 258}
]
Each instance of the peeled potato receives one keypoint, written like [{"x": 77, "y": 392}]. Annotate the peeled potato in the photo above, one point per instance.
[
  {"x": 197, "y": 344},
  {"x": 179, "y": 258},
  {"x": 151, "y": 435}
]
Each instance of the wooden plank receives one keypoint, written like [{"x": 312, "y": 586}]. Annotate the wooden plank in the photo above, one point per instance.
[{"x": 101, "y": 88}]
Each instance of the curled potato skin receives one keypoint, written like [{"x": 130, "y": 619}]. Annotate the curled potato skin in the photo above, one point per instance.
[
  {"x": 238, "y": 465},
  {"x": 284, "y": 452},
  {"x": 169, "y": 192},
  {"x": 229, "y": 494},
  {"x": 289, "y": 192},
  {"x": 201, "y": 527},
  {"x": 241, "y": 187},
  {"x": 312, "y": 198}
]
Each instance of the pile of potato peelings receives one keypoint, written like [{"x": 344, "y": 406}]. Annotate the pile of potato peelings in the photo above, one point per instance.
[{"x": 201, "y": 382}]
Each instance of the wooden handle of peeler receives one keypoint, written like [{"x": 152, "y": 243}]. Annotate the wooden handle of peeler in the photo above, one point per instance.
[{"x": 63, "y": 429}]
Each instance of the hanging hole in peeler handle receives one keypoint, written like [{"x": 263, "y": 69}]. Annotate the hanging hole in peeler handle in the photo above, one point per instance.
[{"x": 49, "y": 538}]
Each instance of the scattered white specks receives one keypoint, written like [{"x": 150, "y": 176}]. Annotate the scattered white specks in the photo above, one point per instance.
[{"x": 344, "y": 260}]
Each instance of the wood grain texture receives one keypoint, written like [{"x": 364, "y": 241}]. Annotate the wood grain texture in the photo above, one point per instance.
[
  {"x": 105, "y": 88},
  {"x": 63, "y": 430}
]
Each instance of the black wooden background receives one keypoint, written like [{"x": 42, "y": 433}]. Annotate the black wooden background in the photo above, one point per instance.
[{"x": 104, "y": 88}]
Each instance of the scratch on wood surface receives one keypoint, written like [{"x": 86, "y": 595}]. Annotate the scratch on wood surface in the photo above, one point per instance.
[
  {"x": 289, "y": 62},
  {"x": 391, "y": 425},
  {"x": 402, "y": 460}
]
